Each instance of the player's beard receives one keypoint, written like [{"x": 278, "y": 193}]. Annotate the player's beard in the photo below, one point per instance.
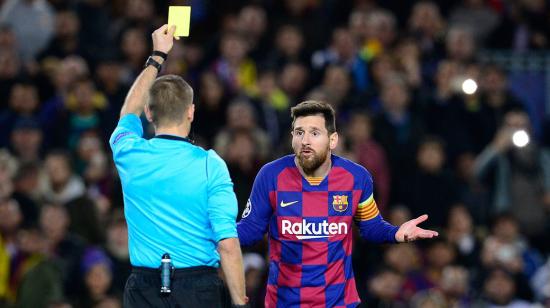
[{"x": 313, "y": 161}]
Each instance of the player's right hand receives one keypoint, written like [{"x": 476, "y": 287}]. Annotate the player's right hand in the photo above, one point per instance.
[{"x": 163, "y": 38}]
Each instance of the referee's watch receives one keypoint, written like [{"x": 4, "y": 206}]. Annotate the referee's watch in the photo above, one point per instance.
[{"x": 153, "y": 62}]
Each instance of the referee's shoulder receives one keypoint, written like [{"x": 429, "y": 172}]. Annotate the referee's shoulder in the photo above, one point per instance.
[{"x": 210, "y": 155}]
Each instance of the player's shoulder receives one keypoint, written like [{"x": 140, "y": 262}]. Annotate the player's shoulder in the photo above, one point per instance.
[
  {"x": 354, "y": 168},
  {"x": 273, "y": 168},
  {"x": 276, "y": 166}
]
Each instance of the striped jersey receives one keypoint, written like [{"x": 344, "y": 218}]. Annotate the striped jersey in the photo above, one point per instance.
[{"x": 309, "y": 224}]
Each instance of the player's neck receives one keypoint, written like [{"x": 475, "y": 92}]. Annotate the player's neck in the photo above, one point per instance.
[
  {"x": 181, "y": 130},
  {"x": 320, "y": 172}
]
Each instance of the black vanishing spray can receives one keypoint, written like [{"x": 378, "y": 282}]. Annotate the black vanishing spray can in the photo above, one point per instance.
[{"x": 165, "y": 274}]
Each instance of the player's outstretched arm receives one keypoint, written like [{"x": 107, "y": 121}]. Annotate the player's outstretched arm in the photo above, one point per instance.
[
  {"x": 409, "y": 231},
  {"x": 163, "y": 40}
]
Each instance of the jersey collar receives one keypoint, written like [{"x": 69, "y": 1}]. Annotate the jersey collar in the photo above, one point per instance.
[{"x": 172, "y": 137}]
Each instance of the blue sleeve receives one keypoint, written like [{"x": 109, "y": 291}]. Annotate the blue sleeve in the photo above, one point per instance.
[
  {"x": 257, "y": 213},
  {"x": 222, "y": 202},
  {"x": 372, "y": 226},
  {"x": 377, "y": 230},
  {"x": 127, "y": 132}
]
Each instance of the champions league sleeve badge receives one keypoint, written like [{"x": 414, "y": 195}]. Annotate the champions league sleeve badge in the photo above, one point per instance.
[{"x": 248, "y": 209}]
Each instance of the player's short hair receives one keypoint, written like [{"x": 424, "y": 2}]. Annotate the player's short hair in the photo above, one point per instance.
[
  {"x": 312, "y": 107},
  {"x": 169, "y": 98}
]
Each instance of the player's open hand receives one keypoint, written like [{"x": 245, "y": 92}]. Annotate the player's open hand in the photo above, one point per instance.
[
  {"x": 409, "y": 231},
  {"x": 163, "y": 38}
]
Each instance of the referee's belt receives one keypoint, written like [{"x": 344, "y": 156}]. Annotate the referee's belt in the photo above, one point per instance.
[{"x": 176, "y": 273}]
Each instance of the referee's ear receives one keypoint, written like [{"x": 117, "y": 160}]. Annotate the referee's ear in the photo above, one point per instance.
[
  {"x": 190, "y": 114},
  {"x": 333, "y": 140},
  {"x": 148, "y": 113}
]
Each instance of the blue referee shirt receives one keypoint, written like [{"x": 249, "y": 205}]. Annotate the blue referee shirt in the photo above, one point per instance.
[{"x": 178, "y": 198}]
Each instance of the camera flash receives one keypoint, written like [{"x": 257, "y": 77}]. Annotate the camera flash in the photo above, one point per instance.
[
  {"x": 520, "y": 138},
  {"x": 469, "y": 86}
]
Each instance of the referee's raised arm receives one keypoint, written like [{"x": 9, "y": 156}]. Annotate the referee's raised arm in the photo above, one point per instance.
[
  {"x": 163, "y": 40},
  {"x": 178, "y": 198}
]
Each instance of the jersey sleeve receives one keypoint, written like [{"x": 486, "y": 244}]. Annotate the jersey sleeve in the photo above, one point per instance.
[
  {"x": 257, "y": 213},
  {"x": 372, "y": 226},
  {"x": 127, "y": 132},
  {"x": 222, "y": 202}
]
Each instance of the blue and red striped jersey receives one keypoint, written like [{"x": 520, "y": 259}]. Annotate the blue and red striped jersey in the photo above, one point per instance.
[{"x": 309, "y": 224}]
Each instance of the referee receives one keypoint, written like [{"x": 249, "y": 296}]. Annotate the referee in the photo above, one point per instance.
[{"x": 178, "y": 198}]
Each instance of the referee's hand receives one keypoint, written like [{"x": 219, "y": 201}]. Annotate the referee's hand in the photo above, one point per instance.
[{"x": 163, "y": 38}]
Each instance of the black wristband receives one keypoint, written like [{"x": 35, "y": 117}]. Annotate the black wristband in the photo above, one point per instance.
[
  {"x": 161, "y": 54},
  {"x": 240, "y": 306}
]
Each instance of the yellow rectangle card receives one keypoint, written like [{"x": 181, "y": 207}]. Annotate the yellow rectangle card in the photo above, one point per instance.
[{"x": 179, "y": 16}]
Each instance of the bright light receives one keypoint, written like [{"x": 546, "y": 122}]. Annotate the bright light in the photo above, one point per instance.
[
  {"x": 520, "y": 138},
  {"x": 469, "y": 86}
]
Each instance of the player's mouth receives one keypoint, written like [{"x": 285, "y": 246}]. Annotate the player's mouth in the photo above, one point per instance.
[{"x": 307, "y": 152}]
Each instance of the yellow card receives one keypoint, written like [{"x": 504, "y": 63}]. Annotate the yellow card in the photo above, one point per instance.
[{"x": 179, "y": 16}]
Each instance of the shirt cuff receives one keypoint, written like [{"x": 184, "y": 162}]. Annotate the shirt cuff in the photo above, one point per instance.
[{"x": 225, "y": 233}]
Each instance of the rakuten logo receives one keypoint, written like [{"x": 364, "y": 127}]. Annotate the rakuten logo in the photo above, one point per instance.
[{"x": 308, "y": 230}]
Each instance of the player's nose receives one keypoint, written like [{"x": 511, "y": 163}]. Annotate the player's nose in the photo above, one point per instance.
[{"x": 305, "y": 139}]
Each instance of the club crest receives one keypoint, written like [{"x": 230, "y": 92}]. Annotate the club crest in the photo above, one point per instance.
[{"x": 340, "y": 203}]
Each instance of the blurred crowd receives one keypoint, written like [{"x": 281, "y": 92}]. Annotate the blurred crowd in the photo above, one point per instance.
[{"x": 416, "y": 106}]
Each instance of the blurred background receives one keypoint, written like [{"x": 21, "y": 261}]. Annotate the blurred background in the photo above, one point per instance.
[{"x": 445, "y": 102}]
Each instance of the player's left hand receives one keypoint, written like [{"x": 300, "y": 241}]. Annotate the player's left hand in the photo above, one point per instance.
[{"x": 409, "y": 231}]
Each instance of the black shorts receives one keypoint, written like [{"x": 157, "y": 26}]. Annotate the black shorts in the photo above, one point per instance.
[{"x": 191, "y": 287}]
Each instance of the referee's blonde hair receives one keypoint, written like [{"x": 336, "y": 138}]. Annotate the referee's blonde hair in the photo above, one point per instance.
[{"x": 169, "y": 98}]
